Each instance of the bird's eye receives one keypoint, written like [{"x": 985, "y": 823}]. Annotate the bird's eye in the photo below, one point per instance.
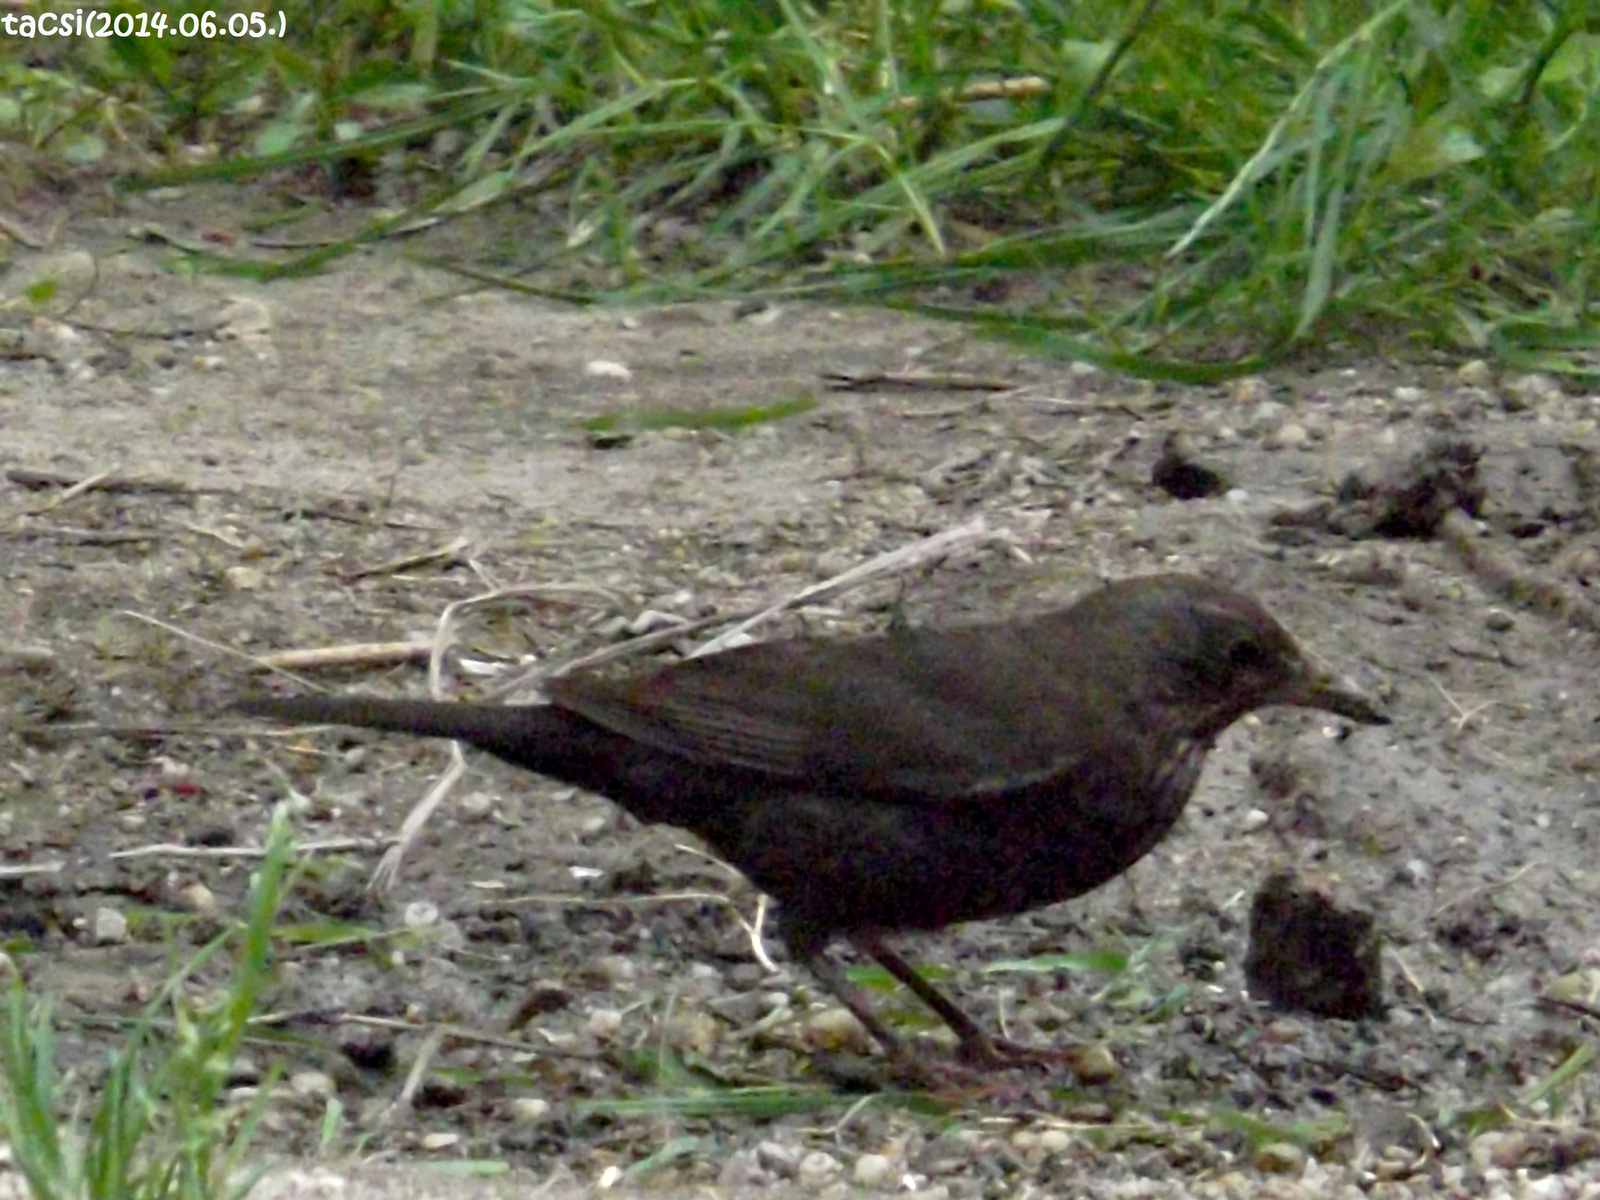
[{"x": 1247, "y": 654}]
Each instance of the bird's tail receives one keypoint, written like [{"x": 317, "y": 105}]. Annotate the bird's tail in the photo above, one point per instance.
[{"x": 498, "y": 728}]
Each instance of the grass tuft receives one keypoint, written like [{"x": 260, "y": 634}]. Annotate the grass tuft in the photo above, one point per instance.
[{"x": 158, "y": 1126}]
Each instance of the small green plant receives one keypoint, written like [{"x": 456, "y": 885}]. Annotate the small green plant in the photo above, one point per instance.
[{"x": 156, "y": 1127}]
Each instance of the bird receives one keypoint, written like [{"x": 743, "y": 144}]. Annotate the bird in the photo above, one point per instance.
[{"x": 914, "y": 778}]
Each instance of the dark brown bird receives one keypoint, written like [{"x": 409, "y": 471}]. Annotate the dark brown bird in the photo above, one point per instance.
[{"x": 916, "y": 778}]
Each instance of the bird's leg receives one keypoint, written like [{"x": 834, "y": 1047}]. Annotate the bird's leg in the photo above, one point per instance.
[
  {"x": 825, "y": 969},
  {"x": 977, "y": 1047}
]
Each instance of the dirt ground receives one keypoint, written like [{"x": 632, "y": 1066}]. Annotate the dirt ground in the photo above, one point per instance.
[{"x": 284, "y": 464}]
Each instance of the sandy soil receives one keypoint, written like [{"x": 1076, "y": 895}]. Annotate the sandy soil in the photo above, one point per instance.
[{"x": 291, "y": 444}]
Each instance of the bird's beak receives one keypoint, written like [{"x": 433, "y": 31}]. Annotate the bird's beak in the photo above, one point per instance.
[{"x": 1319, "y": 689}]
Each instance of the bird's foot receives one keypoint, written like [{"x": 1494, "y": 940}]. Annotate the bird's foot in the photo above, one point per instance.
[
  {"x": 986, "y": 1066},
  {"x": 1002, "y": 1054}
]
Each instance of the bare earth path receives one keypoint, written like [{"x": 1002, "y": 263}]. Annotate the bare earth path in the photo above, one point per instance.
[{"x": 296, "y": 445}]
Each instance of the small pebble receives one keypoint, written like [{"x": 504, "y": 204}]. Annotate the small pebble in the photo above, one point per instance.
[
  {"x": 1095, "y": 1064},
  {"x": 605, "y": 1022},
  {"x": 313, "y": 1085},
  {"x": 439, "y": 1141},
  {"x": 836, "y": 1029},
  {"x": 874, "y": 1171},
  {"x": 172, "y": 770},
  {"x": 834, "y": 562},
  {"x": 742, "y": 1170},
  {"x": 740, "y": 1009},
  {"x": 1499, "y": 620},
  {"x": 1055, "y": 1141},
  {"x": 1292, "y": 436},
  {"x": 1524, "y": 392},
  {"x": 601, "y": 368},
  {"x": 244, "y": 579},
  {"x": 530, "y": 1109},
  {"x": 1267, "y": 418},
  {"x": 1390, "y": 1189},
  {"x": 199, "y": 899},
  {"x": 1504, "y": 1148},
  {"x": 616, "y": 970},
  {"x": 695, "y": 1031},
  {"x": 1284, "y": 1030},
  {"x": 818, "y": 1168},
  {"x": 420, "y": 914},
  {"x": 475, "y": 806},
  {"x": 1280, "y": 1158},
  {"x": 1396, "y": 1162},
  {"x": 1576, "y": 987},
  {"x": 1250, "y": 389},
  {"x": 782, "y": 1160},
  {"x": 1415, "y": 873},
  {"x": 110, "y": 927}
]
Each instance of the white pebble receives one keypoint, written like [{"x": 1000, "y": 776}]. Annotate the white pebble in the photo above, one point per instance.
[
  {"x": 874, "y": 1171},
  {"x": 110, "y": 927},
  {"x": 420, "y": 914},
  {"x": 1055, "y": 1141},
  {"x": 531, "y": 1109},
  {"x": 818, "y": 1168},
  {"x": 313, "y": 1085}
]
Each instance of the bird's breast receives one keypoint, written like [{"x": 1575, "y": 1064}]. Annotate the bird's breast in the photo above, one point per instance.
[{"x": 837, "y": 865}]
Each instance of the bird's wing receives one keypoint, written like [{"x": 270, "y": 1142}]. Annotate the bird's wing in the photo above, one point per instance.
[{"x": 916, "y": 714}]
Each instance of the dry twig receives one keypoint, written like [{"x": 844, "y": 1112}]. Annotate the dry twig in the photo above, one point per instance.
[
  {"x": 354, "y": 654},
  {"x": 447, "y": 555},
  {"x": 35, "y": 480},
  {"x": 70, "y": 493}
]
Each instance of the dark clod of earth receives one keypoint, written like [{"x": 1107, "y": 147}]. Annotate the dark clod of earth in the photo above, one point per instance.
[
  {"x": 1178, "y": 474},
  {"x": 1308, "y": 953},
  {"x": 1409, "y": 500}
]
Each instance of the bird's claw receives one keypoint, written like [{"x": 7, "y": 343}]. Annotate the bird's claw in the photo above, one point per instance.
[{"x": 1002, "y": 1054}]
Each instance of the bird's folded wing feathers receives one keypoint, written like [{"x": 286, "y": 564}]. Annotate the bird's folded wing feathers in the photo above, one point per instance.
[{"x": 936, "y": 715}]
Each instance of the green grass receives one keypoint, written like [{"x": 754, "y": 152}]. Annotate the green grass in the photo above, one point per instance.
[
  {"x": 1183, "y": 189},
  {"x": 157, "y": 1125}
]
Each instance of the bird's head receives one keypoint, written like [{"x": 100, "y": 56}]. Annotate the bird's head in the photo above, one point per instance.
[{"x": 1220, "y": 654}]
